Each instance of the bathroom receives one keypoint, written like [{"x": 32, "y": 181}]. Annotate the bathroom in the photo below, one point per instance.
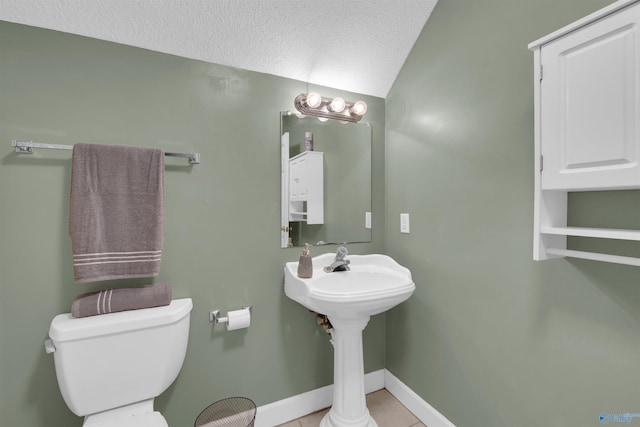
[{"x": 490, "y": 338}]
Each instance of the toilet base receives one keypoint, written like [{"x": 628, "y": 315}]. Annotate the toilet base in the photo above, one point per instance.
[{"x": 139, "y": 414}]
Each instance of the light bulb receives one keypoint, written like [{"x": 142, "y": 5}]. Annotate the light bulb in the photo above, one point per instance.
[
  {"x": 359, "y": 108},
  {"x": 337, "y": 105},
  {"x": 314, "y": 100}
]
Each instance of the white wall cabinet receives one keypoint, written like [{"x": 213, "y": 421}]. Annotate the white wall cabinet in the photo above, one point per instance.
[
  {"x": 587, "y": 122},
  {"x": 306, "y": 187}
]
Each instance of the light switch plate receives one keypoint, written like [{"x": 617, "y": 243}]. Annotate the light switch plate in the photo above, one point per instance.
[
  {"x": 404, "y": 223},
  {"x": 367, "y": 220}
]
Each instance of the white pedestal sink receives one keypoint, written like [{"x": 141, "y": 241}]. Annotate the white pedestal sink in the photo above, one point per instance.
[{"x": 375, "y": 284}]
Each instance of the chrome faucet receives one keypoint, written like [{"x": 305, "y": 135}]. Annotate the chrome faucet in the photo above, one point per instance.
[{"x": 339, "y": 263}]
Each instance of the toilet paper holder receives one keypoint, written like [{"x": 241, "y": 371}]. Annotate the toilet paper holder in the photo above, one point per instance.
[{"x": 215, "y": 316}]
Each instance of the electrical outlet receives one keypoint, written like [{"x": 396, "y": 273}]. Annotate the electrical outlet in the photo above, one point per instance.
[{"x": 404, "y": 223}]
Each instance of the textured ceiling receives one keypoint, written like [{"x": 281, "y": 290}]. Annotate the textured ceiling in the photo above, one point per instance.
[{"x": 354, "y": 45}]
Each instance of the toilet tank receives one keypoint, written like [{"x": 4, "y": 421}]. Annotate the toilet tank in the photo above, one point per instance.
[{"x": 111, "y": 360}]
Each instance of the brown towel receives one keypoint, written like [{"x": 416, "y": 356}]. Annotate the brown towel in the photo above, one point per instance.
[
  {"x": 116, "y": 211},
  {"x": 114, "y": 300}
]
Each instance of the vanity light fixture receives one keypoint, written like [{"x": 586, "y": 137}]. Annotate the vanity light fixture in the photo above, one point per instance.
[{"x": 313, "y": 104}]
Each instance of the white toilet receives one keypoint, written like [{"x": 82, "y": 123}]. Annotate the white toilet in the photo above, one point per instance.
[{"x": 110, "y": 367}]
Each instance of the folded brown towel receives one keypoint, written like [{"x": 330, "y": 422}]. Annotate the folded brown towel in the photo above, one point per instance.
[
  {"x": 116, "y": 211},
  {"x": 113, "y": 300}
]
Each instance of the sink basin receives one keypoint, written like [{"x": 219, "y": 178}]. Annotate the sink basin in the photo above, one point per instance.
[{"x": 375, "y": 284}]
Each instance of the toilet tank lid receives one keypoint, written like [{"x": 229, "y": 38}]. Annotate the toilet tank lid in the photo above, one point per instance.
[{"x": 64, "y": 327}]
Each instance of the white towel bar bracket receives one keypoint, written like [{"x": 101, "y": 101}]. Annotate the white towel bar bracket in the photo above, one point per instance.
[{"x": 27, "y": 147}]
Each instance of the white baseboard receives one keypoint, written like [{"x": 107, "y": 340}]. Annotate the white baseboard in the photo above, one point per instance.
[
  {"x": 426, "y": 413},
  {"x": 294, "y": 407}
]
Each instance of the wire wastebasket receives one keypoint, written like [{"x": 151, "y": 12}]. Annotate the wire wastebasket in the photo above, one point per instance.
[{"x": 230, "y": 412}]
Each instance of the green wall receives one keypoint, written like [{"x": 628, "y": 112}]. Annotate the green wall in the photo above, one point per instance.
[
  {"x": 491, "y": 338},
  {"x": 222, "y": 227}
]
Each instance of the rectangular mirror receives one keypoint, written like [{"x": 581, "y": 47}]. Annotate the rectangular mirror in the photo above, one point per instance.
[{"x": 325, "y": 192}]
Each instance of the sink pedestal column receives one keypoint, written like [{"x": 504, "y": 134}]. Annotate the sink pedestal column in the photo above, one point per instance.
[{"x": 349, "y": 405}]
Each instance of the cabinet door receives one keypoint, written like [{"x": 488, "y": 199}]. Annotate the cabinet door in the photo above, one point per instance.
[
  {"x": 590, "y": 99},
  {"x": 297, "y": 179}
]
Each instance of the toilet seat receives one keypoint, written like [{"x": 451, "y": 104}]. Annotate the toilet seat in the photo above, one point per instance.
[
  {"x": 140, "y": 414},
  {"x": 151, "y": 419}
]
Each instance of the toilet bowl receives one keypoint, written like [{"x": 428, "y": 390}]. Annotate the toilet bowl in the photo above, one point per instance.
[{"x": 111, "y": 367}]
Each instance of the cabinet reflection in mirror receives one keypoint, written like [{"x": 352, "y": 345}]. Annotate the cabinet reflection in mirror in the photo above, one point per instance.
[{"x": 326, "y": 181}]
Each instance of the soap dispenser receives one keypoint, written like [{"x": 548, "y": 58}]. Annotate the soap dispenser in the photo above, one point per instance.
[{"x": 305, "y": 264}]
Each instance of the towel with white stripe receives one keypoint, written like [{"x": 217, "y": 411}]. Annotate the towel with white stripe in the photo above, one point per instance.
[
  {"x": 123, "y": 299},
  {"x": 116, "y": 211}
]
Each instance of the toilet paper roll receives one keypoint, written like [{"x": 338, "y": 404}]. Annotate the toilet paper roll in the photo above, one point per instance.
[{"x": 238, "y": 319}]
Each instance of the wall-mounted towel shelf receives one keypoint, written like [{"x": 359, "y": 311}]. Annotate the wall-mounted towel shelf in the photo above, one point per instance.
[
  {"x": 27, "y": 147},
  {"x": 601, "y": 233}
]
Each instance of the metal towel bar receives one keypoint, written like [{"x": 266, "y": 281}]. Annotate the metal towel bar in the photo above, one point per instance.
[{"x": 26, "y": 147}]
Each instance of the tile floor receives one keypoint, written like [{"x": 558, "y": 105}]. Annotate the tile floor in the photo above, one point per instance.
[{"x": 383, "y": 407}]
